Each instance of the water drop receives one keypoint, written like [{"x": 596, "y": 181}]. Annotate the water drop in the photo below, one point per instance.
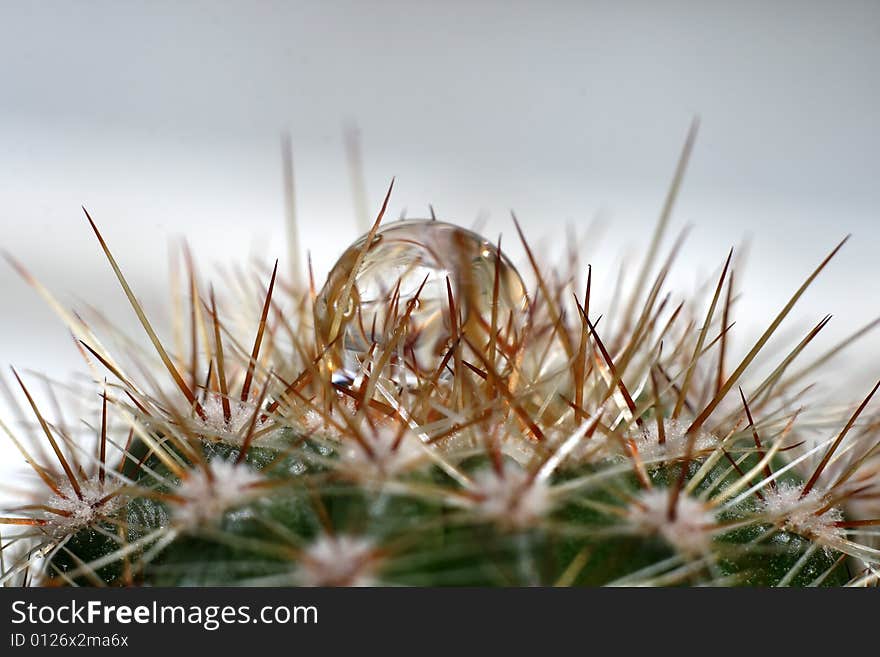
[{"x": 371, "y": 289}]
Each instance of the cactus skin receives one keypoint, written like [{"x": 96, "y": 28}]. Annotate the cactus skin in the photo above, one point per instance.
[{"x": 433, "y": 549}]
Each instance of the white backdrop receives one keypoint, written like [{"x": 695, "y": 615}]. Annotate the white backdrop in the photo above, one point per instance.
[{"x": 164, "y": 118}]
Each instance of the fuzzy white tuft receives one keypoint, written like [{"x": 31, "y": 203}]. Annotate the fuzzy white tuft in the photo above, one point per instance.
[
  {"x": 234, "y": 431},
  {"x": 676, "y": 442},
  {"x": 82, "y": 512},
  {"x": 313, "y": 422},
  {"x": 338, "y": 560},
  {"x": 784, "y": 507},
  {"x": 207, "y": 494},
  {"x": 689, "y": 532},
  {"x": 383, "y": 459},
  {"x": 512, "y": 498},
  {"x": 595, "y": 449}
]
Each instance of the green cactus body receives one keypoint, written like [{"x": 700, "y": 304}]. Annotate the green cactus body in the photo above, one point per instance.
[{"x": 429, "y": 419}]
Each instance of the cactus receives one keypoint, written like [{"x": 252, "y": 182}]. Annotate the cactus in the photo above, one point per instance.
[{"x": 428, "y": 418}]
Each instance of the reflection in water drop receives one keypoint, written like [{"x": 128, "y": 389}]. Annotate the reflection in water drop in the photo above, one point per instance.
[{"x": 356, "y": 310}]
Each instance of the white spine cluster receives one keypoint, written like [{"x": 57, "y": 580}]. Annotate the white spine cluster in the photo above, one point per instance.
[
  {"x": 689, "y": 530},
  {"x": 511, "y": 497},
  {"x": 338, "y": 560},
  {"x": 241, "y": 414},
  {"x": 791, "y": 510},
  {"x": 207, "y": 493},
  {"x": 80, "y": 513},
  {"x": 675, "y": 444},
  {"x": 389, "y": 453}
]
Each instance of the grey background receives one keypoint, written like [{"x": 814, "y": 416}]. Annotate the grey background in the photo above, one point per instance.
[{"x": 164, "y": 118}]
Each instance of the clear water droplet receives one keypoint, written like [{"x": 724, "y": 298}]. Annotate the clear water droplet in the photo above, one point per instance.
[{"x": 369, "y": 292}]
